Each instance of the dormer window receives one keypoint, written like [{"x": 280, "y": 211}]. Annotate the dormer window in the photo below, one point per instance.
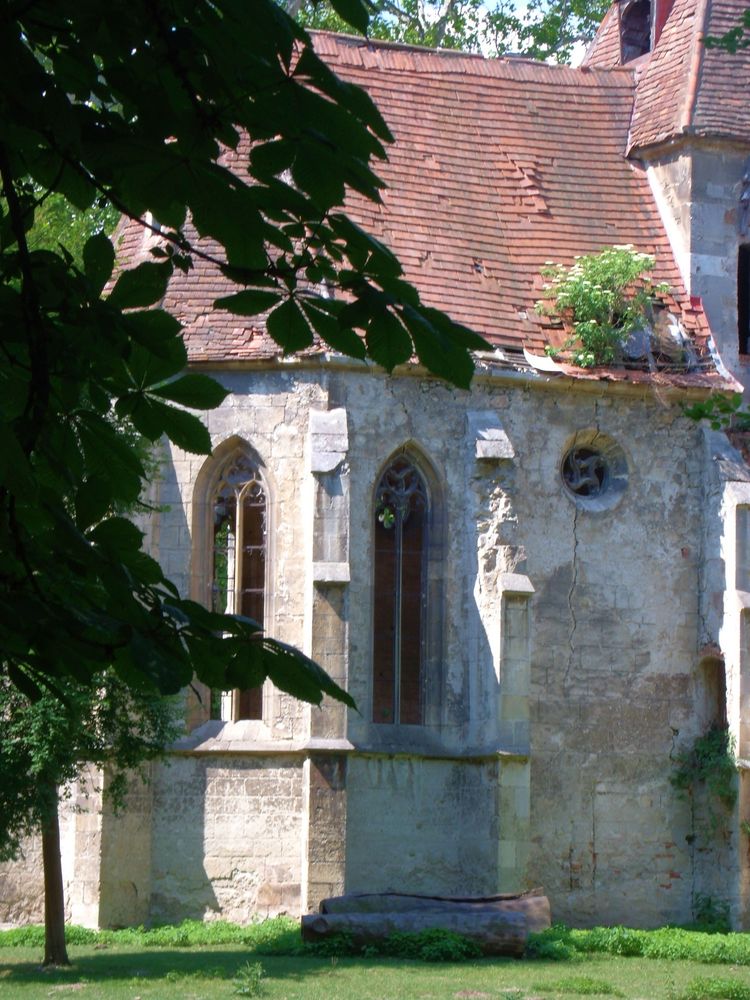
[{"x": 635, "y": 29}]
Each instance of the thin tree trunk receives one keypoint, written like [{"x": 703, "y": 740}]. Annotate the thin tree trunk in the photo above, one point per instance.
[{"x": 55, "y": 952}]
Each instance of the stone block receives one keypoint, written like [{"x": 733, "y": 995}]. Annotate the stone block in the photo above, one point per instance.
[
  {"x": 490, "y": 439},
  {"x": 329, "y": 439}
]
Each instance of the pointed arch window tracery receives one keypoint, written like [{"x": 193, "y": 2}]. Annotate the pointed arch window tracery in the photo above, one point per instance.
[
  {"x": 402, "y": 515},
  {"x": 238, "y": 565}
]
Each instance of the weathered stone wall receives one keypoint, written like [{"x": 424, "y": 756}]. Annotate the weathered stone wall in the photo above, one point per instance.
[
  {"x": 613, "y": 636},
  {"x": 22, "y": 881},
  {"x": 614, "y": 649},
  {"x": 226, "y": 837},
  {"x": 725, "y": 873},
  {"x": 419, "y": 825},
  {"x": 697, "y": 187},
  {"x": 22, "y": 886},
  {"x": 125, "y": 866},
  {"x": 564, "y": 646}
]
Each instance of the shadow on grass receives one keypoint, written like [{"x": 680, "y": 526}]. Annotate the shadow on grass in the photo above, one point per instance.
[{"x": 172, "y": 964}]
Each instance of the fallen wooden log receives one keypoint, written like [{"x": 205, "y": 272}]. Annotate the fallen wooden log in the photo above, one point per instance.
[
  {"x": 495, "y": 931},
  {"x": 533, "y": 904}
]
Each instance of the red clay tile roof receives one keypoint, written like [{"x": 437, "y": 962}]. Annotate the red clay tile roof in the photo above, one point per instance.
[
  {"x": 722, "y": 105},
  {"x": 604, "y": 51},
  {"x": 687, "y": 88},
  {"x": 498, "y": 167}
]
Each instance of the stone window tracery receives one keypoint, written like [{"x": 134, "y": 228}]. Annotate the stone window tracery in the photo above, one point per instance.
[
  {"x": 594, "y": 471},
  {"x": 238, "y": 565},
  {"x": 585, "y": 472},
  {"x": 402, "y": 515}
]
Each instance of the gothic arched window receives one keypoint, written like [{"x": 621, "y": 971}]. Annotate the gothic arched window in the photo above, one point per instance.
[
  {"x": 402, "y": 510},
  {"x": 238, "y": 564}
]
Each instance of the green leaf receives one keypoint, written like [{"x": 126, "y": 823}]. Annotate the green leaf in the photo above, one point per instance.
[
  {"x": 199, "y": 617},
  {"x": 118, "y": 535},
  {"x": 388, "y": 343},
  {"x": 289, "y": 328},
  {"x": 98, "y": 260},
  {"x": 103, "y": 446},
  {"x": 354, "y": 12},
  {"x": 248, "y": 303},
  {"x": 315, "y": 171},
  {"x": 15, "y": 472},
  {"x": 248, "y": 667},
  {"x": 186, "y": 430},
  {"x": 293, "y": 672},
  {"x": 153, "y": 419},
  {"x": 209, "y": 657},
  {"x": 438, "y": 350},
  {"x": 269, "y": 159},
  {"x": 145, "y": 368},
  {"x": 197, "y": 391},
  {"x": 159, "y": 333},
  {"x": 161, "y": 663},
  {"x": 141, "y": 286},
  {"x": 328, "y": 328},
  {"x": 93, "y": 501}
]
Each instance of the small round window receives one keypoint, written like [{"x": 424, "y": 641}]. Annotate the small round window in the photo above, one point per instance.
[
  {"x": 585, "y": 472},
  {"x": 594, "y": 471}
]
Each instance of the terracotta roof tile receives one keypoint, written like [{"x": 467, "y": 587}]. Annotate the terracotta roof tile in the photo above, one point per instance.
[
  {"x": 687, "y": 88},
  {"x": 604, "y": 51},
  {"x": 498, "y": 166}
]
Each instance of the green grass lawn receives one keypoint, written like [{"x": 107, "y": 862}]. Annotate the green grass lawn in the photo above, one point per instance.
[
  {"x": 118, "y": 972},
  {"x": 197, "y": 961}
]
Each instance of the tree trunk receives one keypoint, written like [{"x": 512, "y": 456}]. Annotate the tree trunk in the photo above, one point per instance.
[{"x": 55, "y": 952}]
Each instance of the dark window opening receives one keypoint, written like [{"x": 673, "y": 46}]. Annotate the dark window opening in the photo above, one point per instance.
[
  {"x": 714, "y": 686},
  {"x": 635, "y": 30},
  {"x": 239, "y": 564},
  {"x": 743, "y": 298},
  {"x": 400, "y": 582},
  {"x": 585, "y": 472}
]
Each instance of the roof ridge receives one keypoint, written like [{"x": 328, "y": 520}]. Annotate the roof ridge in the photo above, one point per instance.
[
  {"x": 697, "y": 58},
  {"x": 389, "y": 43},
  {"x": 353, "y": 49}
]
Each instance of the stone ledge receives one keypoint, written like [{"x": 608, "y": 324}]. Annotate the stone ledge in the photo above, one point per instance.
[
  {"x": 306, "y": 748},
  {"x": 516, "y": 584},
  {"x": 331, "y": 572},
  {"x": 490, "y": 439}
]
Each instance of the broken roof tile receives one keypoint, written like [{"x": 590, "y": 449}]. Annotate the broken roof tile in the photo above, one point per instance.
[{"x": 498, "y": 166}]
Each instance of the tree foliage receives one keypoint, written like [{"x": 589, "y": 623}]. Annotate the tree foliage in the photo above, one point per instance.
[
  {"x": 57, "y": 221},
  {"x": 47, "y": 741},
  {"x": 133, "y": 110},
  {"x": 540, "y": 29},
  {"x": 604, "y": 297}
]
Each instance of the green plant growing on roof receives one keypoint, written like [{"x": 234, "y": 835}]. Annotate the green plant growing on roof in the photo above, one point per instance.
[{"x": 604, "y": 297}]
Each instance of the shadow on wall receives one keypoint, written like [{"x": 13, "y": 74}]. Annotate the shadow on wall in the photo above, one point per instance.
[{"x": 181, "y": 886}]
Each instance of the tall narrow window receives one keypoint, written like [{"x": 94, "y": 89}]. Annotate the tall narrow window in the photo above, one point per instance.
[
  {"x": 400, "y": 581},
  {"x": 238, "y": 576},
  {"x": 743, "y": 298}
]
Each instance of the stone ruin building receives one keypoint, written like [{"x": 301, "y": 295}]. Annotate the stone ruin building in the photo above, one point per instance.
[{"x": 537, "y": 591}]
